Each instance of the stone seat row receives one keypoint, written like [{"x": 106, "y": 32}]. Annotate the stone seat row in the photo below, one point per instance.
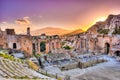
[{"x": 11, "y": 69}]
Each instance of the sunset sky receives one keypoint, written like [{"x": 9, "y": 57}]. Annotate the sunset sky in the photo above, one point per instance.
[{"x": 67, "y": 14}]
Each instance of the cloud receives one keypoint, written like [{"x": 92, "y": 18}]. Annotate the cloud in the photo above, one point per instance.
[
  {"x": 4, "y": 22},
  {"x": 25, "y": 21}
]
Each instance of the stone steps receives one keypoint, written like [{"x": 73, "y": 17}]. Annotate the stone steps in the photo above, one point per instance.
[{"x": 10, "y": 69}]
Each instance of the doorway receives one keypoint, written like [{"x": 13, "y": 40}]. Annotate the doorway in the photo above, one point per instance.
[
  {"x": 14, "y": 46},
  {"x": 107, "y": 48},
  {"x": 42, "y": 46}
]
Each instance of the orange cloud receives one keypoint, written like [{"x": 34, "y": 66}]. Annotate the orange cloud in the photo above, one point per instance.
[{"x": 25, "y": 21}]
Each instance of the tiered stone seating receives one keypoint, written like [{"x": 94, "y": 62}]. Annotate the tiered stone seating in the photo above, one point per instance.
[{"x": 10, "y": 69}]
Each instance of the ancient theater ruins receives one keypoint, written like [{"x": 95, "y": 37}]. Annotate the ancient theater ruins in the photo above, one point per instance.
[{"x": 69, "y": 56}]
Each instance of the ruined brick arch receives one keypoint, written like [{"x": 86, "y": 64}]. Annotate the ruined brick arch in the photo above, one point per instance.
[
  {"x": 107, "y": 48},
  {"x": 117, "y": 53}
]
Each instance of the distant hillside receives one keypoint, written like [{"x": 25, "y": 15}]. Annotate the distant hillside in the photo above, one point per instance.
[
  {"x": 110, "y": 26},
  {"x": 74, "y": 32},
  {"x": 50, "y": 31}
]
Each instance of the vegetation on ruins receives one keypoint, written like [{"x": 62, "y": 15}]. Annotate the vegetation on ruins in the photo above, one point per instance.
[
  {"x": 33, "y": 51},
  {"x": 7, "y": 56},
  {"x": 103, "y": 31},
  {"x": 117, "y": 30},
  {"x": 67, "y": 47},
  {"x": 38, "y": 55},
  {"x": 32, "y": 65}
]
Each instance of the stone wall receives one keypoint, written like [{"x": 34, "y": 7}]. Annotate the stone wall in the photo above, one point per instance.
[
  {"x": 69, "y": 66},
  {"x": 97, "y": 44},
  {"x": 8, "y": 39},
  {"x": 3, "y": 43},
  {"x": 25, "y": 43},
  {"x": 50, "y": 44},
  {"x": 81, "y": 64}
]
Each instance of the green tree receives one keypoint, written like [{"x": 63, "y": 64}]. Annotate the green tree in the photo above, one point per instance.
[
  {"x": 103, "y": 31},
  {"x": 67, "y": 47}
]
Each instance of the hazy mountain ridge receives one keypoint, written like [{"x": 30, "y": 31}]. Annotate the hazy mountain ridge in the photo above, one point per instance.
[
  {"x": 50, "y": 31},
  {"x": 110, "y": 26},
  {"x": 74, "y": 32}
]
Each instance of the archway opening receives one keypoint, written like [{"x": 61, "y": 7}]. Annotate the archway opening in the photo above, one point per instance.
[
  {"x": 117, "y": 53},
  {"x": 14, "y": 46},
  {"x": 42, "y": 46},
  {"x": 107, "y": 48}
]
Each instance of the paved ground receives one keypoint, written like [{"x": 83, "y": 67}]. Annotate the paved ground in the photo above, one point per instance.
[
  {"x": 104, "y": 71},
  {"x": 109, "y": 70}
]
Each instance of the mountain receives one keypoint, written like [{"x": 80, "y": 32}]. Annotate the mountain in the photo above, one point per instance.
[
  {"x": 110, "y": 26},
  {"x": 74, "y": 32},
  {"x": 50, "y": 31}
]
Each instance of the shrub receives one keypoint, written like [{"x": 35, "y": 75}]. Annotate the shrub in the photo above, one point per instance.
[
  {"x": 67, "y": 47},
  {"x": 38, "y": 55},
  {"x": 7, "y": 56},
  {"x": 32, "y": 65},
  {"x": 103, "y": 31},
  {"x": 116, "y": 31}
]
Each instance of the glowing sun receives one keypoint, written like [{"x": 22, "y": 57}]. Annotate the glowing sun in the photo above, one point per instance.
[{"x": 101, "y": 19}]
